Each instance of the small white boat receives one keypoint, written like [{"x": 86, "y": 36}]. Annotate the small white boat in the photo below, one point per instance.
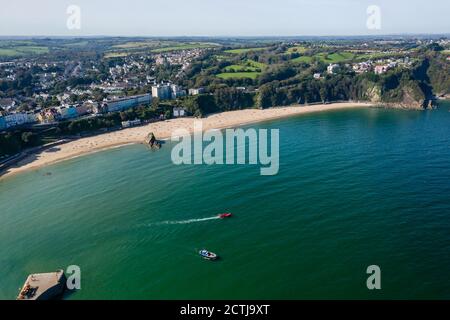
[{"x": 208, "y": 255}]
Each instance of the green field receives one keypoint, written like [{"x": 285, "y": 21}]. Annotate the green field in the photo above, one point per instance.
[
  {"x": 237, "y": 68},
  {"x": 17, "y": 51},
  {"x": 238, "y": 75},
  {"x": 344, "y": 56},
  {"x": 77, "y": 44},
  {"x": 220, "y": 57},
  {"x": 379, "y": 55},
  {"x": 297, "y": 49},
  {"x": 20, "y": 48},
  {"x": 247, "y": 69},
  {"x": 248, "y": 66},
  {"x": 185, "y": 46},
  {"x": 147, "y": 44},
  {"x": 117, "y": 54},
  {"x": 327, "y": 58},
  {"x": 336, "y": 57},
  {"x": 244, "y": 50},
  {"x": 305, "y": 59},
  {"x": 127, "y": 48},
  {"x": 256, "y": 64}
]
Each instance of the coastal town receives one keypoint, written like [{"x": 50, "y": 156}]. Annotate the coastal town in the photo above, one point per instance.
[
  {"x": 65, "y": 92},
  {"x": 96, "y": 98},
  {"x": 225, "y": 159}
]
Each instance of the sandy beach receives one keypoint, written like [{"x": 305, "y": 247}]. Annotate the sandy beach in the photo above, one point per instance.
[{"x": 163, "y": 130}]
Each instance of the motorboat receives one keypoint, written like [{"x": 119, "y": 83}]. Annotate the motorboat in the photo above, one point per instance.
[
  {"x": 225, "y": 215},
  {"x": 208, "y": 255}
]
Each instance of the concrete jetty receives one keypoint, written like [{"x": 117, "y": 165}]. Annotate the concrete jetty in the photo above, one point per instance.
[{"x": 43, "y": 286}]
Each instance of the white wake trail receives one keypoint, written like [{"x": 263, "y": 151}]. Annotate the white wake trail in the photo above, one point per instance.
[{"x": 184, "y": 221}]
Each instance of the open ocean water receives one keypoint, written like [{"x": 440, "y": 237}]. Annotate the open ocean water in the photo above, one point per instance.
[{"x": 355, "y": 188}]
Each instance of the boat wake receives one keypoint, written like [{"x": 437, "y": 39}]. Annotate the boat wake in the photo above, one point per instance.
[{"x": 184, "y": 221}]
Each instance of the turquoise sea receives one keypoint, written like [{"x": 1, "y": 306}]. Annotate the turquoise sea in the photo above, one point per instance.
[{"x": 355, "y": 188}]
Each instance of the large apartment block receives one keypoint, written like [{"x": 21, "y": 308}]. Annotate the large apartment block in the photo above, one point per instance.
[
  {"x": 128, "y": 102},
  {"x": 161, "y": 91},
  {"x": 167, "y": 91}
]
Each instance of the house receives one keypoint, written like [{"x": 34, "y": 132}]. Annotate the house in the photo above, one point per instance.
[
  {"x": 63, "y": 97},
  {"x": 332, "y": 68},
  {"x": 177, "y": 92},
  {"x": 362, "y": 67},
  {"x": 197, "y": 91},
  {"x": 98, "y": 108},
  {"x": 91, "y": 106},
  {"x": 7, "y": 103},
  {"x": 48, "y": 115},
  {"x": 161, "y": 60},
  {"x": 67, "y": 112},
  {"x": 316, "y": 75},
  {"x": 179, "y": 112},
  {"x": 81, "y": 109},
  {"x": 381, "y": 69}
]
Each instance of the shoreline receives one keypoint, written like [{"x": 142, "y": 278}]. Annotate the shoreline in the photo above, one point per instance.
[{"x": 163, "y": 131}]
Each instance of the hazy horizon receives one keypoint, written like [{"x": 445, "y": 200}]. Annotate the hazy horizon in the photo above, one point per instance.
[
  {"x": 233, "y": 18},
  {"x": 37, "y": 36}
]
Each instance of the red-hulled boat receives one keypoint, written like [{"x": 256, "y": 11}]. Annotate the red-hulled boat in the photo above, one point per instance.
[{"x": 225, "y": 215}]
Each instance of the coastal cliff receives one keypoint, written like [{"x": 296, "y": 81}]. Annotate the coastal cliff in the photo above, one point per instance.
[
  {"x": 404, "y": 97},
  {"x": 407, "y": 96},
  {"x": 415, "y": 89}
]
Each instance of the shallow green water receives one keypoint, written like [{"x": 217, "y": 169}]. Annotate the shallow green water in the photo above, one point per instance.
[{"x": 355, "y": 188}]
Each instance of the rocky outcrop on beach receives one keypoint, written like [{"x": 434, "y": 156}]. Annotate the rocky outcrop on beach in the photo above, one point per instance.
[{"x": 151, "y": 141}]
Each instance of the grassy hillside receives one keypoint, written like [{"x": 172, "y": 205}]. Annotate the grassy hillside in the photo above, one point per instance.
[{"x": 247, "y": 69}]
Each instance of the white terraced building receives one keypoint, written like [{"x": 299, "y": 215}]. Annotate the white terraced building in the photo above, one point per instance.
[
  {"x": 17, "y": 119},
  {"x": 128, "y": 102}
]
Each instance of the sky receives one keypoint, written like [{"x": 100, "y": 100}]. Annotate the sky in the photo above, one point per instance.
[{"x": 222, "y": 17}]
